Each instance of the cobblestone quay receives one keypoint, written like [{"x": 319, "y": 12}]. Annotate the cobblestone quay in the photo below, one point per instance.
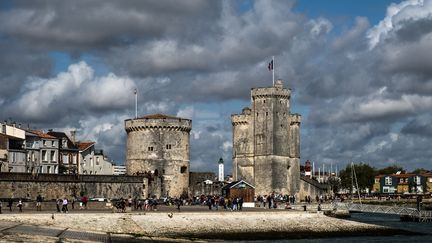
[{"x": 226, "y": 225}]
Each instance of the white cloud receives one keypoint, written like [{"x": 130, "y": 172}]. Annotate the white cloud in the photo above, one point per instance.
[
  {"x": 76, "y": 89},
  {"x": 187, "y": 112},
  {"x": 397, "y": 13}
]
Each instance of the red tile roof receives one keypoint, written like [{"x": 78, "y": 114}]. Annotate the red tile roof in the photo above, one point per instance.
[
  {"x": 85, "y": 145},
  {"x": 403, "y": 175},
  {"x": 42, "y": 134}
]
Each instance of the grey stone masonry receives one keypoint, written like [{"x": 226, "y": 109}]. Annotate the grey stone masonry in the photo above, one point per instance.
[
  {"x": 159, "y": 144},
  {"x": 266, "y": 142}
]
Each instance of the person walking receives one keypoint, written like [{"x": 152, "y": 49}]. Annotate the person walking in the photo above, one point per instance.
[
  {"x": 178, "y": 203},
  {"x": 39, "y": 203},
  {"x": 20, "y": 205},
  {"x": 1, "y": 205},
  {"x": 73, "y": 203},
  {"x": 58, "y": 203},
  {"x": 10, "y": 203},
  {"x": 84, "y": 201},
  {"x": 65, "y": 204},
  {"x": 235, "y": 204}
]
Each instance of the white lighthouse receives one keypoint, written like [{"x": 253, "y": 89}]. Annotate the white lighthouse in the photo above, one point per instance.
[{"x": 221, "y": 170}]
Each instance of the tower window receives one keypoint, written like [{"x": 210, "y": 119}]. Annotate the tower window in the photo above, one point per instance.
[
  {"x": 150, "y": 148},
  {"x": 168, "y": 146},
  {"x": 264, "y": 101},
  {"x": 257, "y": 113},
  {"x": 266, "y": 113},
  {"x": 183, "y": 169}
]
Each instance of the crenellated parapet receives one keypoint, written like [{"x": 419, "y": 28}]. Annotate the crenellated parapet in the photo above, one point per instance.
[
  {"x": 295, "y": 119},
  {"x": 243, "y": 118},
  {"x": 277, "y": 91},
  {"x": 161, "y": 123},
  {"x": 259, "y": 93}
]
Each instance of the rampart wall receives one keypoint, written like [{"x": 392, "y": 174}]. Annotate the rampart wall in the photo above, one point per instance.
[{"x": 50, "y": 186}]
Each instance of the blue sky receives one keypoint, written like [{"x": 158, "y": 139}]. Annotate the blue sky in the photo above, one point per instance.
[{"x": 359, "y": 73}]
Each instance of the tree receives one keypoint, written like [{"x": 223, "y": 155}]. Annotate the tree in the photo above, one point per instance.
[
  {"x": 392, "y": 169},
  {"x": 365, "y": 176},
  {"x": 419, "y": 171},
  {"x": 335, "y": 183}
]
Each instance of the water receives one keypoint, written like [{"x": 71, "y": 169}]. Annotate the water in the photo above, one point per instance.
[{"x": 424, "y": 229}]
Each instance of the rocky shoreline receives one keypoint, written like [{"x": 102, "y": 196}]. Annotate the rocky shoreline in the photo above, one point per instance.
[{"x": 214, "y": 225}]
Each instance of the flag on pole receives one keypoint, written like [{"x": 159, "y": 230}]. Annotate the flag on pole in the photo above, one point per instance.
[{"x": 270, "y": 65}]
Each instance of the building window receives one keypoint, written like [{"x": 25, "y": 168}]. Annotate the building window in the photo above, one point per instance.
[
  {"x": 52, "y": 158},
  {"x": 44, "y": 155},
  {"x": 44, "y": 142},
  {"x": 401, "y": 180},
  {"x": 97, "y": 160},
  {"x": 183, "y": 169},
  {"x": 150, "y": 148},
  {"x": 168, "y": 146},
  {"x": 377, "y": 180},
  {"x": 417, "y": 180},
  {"x": 388, "y": 180}
]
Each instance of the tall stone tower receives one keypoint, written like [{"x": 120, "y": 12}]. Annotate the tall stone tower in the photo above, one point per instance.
[
  {"x": 159, "y": 145},
  {"x": 266, "y": 142}
]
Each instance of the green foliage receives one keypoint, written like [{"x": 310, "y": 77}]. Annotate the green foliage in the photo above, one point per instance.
[
  {"x": 392, "y": 169},
  {"x": 335, "y": 183},
  {"x": 419, "y": 171},
  {"x": 365, "y": 176}
]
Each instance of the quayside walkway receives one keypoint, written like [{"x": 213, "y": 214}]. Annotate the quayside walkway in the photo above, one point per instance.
[{"x": 421, "y": 215}]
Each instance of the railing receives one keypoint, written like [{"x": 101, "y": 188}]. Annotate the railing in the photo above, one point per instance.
[{"x": 421, "y": 215}]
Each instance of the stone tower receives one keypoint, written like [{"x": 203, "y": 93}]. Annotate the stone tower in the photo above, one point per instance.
[
  {"x": 266, "y": 142},
  {"x": 159, "y": 145}
]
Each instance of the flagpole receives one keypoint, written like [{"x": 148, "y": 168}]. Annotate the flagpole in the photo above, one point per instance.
[
  {"x": 136, "y": 103},
  {"x": 273, "y": 69}
]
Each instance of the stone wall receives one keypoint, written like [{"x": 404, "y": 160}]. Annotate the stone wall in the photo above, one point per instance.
[
  {"x": 309, "y": 187},
  {"x": 50, "y": 186}
]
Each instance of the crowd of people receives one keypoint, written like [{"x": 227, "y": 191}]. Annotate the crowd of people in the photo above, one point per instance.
[{"x": 213, "y": 202}]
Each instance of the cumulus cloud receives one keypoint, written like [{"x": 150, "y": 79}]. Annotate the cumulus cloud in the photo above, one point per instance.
[
  {"x": 76, "y": 90},
  {"x": 367, "y": 89}
]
